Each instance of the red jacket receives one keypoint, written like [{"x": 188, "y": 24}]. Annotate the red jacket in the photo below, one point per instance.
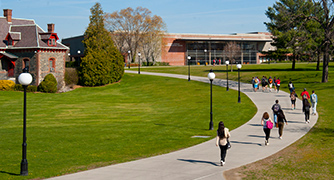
[{"x": 306, "y": 93}]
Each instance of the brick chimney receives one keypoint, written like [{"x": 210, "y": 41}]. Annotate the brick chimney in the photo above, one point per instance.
[
  {"x": 51, "y": 28},
  {"x": 8, "y": 14}
]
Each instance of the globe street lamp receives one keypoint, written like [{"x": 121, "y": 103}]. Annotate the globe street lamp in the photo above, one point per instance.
[
  {"x": 205, "y": 51},
  {"x": 139, "y": 63},
  {"x": 239, "y": 67},
  {"x": 211, "y": 77},
  {"x": 129, "y": 60},
  {"x": 189, "y": 57},
  {"x": 25, "y": 79},
  {"x": 227, "y": 62}
]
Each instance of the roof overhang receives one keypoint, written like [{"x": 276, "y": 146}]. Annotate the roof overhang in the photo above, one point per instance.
[
  {"x": 9, "y": 55},
  {"x": 224, "y": 39}
]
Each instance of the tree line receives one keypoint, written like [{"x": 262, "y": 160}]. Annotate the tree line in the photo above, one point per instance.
[
  {"x": 110, "y": 36},
  {"x": 303, "y": 27}
]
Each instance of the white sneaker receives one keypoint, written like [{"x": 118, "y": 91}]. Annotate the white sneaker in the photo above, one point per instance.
[
  {"x": 280, "y": 137},
  {"x": 308, "y": 121}
]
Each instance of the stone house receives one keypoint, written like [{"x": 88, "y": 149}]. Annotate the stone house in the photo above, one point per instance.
[{"x": 25, "y": 44}]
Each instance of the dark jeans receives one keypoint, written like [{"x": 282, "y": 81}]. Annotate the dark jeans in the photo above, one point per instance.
[
  {"x": 267, "y": 132},
  {"x": 223, "y": 150},
  {"x": 307, "y": 115}
]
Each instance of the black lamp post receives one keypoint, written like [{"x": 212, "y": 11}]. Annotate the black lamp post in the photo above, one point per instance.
[
  {"x": 189, "y": 57},
  {"x": 211, "y": 77},
  {"x": 239, "y": 67},
  {"x": 129, "y": 59},
  {"x": 139, "y": 63},
  {"x": 227, "y": 62},
  {"x": 25, "y": 79}
]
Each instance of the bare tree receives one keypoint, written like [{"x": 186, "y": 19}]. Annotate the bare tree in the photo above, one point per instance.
[
  {"x": 232, "y": 52},
  {"x": 130, "y": 27}
]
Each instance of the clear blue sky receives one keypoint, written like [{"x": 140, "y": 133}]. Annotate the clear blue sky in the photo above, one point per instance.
[{"x": 71, "y": 17}]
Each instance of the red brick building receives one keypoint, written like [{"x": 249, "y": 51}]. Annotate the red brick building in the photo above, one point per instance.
[{"x": 204, "y": 48}]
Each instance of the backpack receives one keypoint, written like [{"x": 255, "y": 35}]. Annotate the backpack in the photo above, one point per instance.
[
  {"x": 269, "y": 124},
  {"x": 293, "y": 97},
  {"x": 290, "y": 86},
  {"x": 276, "y": 108},
  {"x": 304, "y": 96},
  {"x": 270, "y": 81}
]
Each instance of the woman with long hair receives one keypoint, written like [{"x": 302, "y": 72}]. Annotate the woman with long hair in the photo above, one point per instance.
[
  {"x": 222, "y": 134},
  {"x": 264, "y": 120}
]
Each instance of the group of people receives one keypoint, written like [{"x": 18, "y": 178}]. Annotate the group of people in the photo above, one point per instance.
[
  {"x": 279, "y": 119},
  {"x": 265, "y": 83}
]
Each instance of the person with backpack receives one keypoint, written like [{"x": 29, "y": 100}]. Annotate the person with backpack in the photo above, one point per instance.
[
  {"x": 314, "y": 101},
  {"x": 293, "y": 97},
  {"x": 304, "y": 95},
  {"x": 267, "y": 124},
  {"x": 276, "y": 108},
  {"x": 270, "y": 81},
  {"x": 278, "y": 84},
  {"x": 222, "y": 141},
  {"x": 291, "y": 86},
  {"x": 306, "y": 110},
  {"x": 280, "y": 120}
]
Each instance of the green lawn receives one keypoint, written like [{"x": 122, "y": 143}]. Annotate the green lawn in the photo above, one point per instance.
[
  {"x": 140, "y": 116},
  {"x": 312, "y": 156}
]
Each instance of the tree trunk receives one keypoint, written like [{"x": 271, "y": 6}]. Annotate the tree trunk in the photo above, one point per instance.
[
  {"x": 293, "y": 61},
  {"x": 325, "y": 64},
  {"x": 318, "y": 61}
]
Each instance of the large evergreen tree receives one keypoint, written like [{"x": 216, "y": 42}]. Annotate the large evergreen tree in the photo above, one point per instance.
[{"x": 102, "y": 63}]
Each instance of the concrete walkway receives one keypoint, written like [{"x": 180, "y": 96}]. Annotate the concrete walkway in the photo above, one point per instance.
[{"x": 201, "y": 162}]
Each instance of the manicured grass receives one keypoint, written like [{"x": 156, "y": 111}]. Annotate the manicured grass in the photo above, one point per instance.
[
  {"x": 140, "y": 116},
  {"x": 312, "y": 156}
]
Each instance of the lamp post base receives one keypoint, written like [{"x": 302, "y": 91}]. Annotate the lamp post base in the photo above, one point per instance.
[{"x": 24, "y": 167}]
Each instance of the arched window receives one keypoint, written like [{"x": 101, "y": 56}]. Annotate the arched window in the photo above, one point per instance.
[
  {"x": 26, "y": 63},
  {"x": 52, "y": 65}
]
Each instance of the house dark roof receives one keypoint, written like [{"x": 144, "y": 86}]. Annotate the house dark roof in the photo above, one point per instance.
[{"x": 25, "y": 34}]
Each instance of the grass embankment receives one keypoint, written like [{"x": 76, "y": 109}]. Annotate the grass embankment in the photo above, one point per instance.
[
  {"x": 90, "y": 127},
  {"x": 311, "y": 157}
]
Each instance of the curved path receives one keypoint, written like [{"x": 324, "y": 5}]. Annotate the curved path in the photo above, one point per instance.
[{"x": 202, "y": 161}]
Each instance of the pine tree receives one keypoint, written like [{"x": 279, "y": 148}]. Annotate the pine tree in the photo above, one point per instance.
[{"x": 102, "y": 63}]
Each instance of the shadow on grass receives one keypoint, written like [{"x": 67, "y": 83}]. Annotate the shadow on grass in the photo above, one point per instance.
[
  {"x": 13, "y": 174},
  {"x": 198, "y": 161}
]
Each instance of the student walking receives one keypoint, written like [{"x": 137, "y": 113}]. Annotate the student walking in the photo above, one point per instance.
[
  {"x": 291, "y": 86},
  {"x": 293, "y": 97},
  {"x": 304, "y": 95},
  {"x": 278, "y": 84},
  {"x": 306, "y": 110},
  {"x": 276, "y": 108},
  {"x": 222, "y": 138},
  {"x": 271, "y": 82},
  {"x": 314, "y": 101},
  {"x": 267, "y": 124},
  {"x": 280, "y": 120}
]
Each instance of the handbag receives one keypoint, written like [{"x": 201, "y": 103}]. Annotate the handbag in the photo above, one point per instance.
[{"x": 228, "y": 144}]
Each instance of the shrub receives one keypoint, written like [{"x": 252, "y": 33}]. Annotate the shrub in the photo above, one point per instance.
[
  {"x": 30, "y": 88},
  {"x": 71, "y": 76},
  {"x": 48, "y": 85},
  {"x": 6, "y": 85}
]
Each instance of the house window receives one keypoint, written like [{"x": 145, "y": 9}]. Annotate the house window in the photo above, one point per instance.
[
  {"x": 52, "y": 42},
  {"x": 26, "y": 63},
  {"x": 52, "y": 65}
]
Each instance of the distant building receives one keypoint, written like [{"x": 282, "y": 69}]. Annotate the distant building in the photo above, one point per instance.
[
  {"x": 202, "y": 48},
  {"x": 25, "y": 44}
]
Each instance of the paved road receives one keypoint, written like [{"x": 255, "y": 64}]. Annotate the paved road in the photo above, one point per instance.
[{"x": 201, "y": 162}]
